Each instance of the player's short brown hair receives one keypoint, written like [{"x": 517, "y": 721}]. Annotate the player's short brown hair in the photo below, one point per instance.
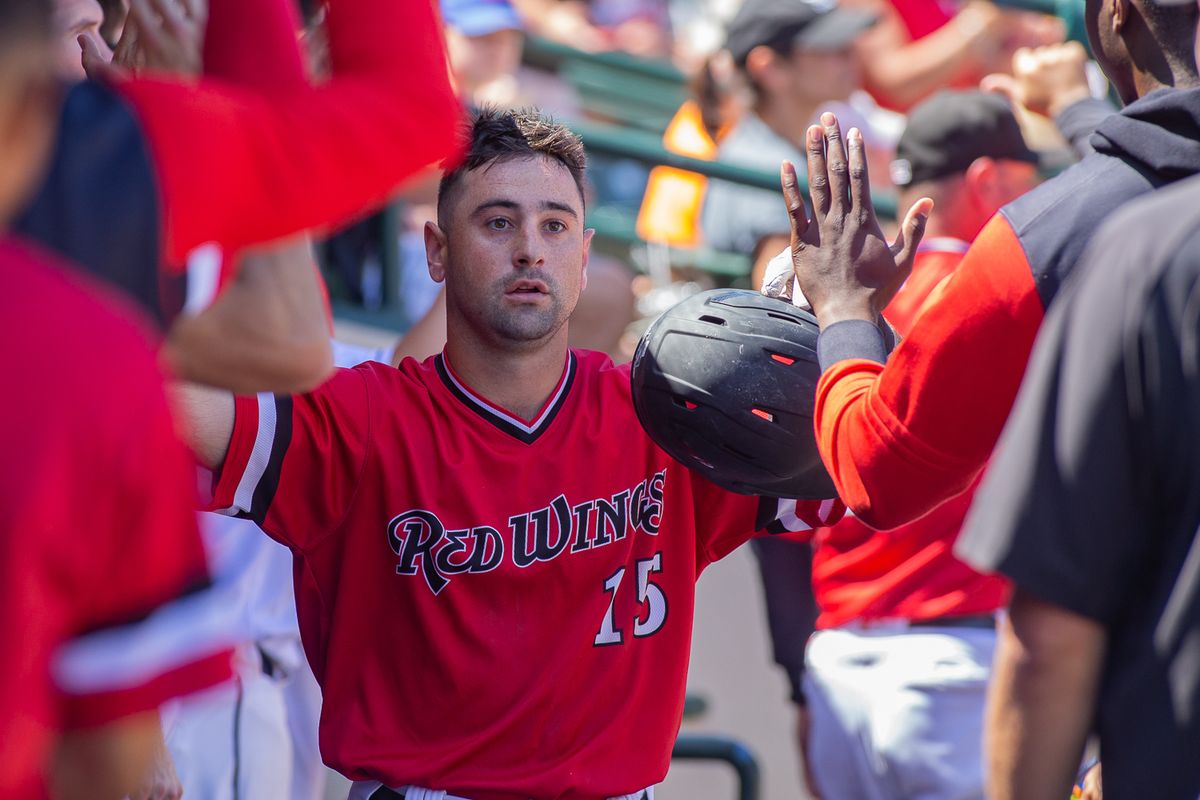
[{"x": 492, "y": 135}]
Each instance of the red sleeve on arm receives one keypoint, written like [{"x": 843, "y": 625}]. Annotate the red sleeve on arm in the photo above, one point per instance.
[
  {"x": 254, "y": 44},
  {"x": 901, "y": 438},
  {"x": 238, "y": 166},
  {"x": 144, "y": 551},
  {"x": 294, "y": 461}
]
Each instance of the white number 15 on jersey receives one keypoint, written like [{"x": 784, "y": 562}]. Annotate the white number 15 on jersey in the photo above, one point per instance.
[{"x": 649, "y": 595}]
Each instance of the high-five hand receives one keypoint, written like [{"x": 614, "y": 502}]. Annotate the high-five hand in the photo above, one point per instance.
[{"x": 843, "y": 264}]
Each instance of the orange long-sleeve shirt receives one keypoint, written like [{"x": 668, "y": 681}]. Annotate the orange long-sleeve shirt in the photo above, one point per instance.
[{"x": 902, "y": 438}]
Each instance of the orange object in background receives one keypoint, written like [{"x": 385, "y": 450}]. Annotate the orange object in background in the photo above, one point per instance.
[{"x": 670, "y": 212}]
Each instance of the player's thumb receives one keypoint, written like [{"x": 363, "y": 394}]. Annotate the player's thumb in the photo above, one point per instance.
[
  {"x": 95, "y": 63},
  {"x": 904, "y": 249}
]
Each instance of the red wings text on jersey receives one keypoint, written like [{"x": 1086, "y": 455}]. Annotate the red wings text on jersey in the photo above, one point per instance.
[{"x": 495, "y": 607}]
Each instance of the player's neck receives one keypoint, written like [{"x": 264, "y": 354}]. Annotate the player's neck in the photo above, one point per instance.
[{"x": 520, "y": 382}]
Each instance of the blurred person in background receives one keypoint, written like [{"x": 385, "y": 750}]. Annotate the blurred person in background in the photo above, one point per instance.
[
  {"x": 483, "y": 41},
  {"x": 79, "y": 698},
  {"x": 798, "y": 58},
  {"x": 637, "y": 27},
  {"x": 965, "y": 151},
  {"x": 921, "y": 46},
  {"x": 1052, "y": 82}
]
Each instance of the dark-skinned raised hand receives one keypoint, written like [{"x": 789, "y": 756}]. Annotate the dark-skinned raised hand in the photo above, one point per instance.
[{"x": 843, "y": 263}]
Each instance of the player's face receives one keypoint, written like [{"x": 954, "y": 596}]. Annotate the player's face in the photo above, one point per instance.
[
  {"x": 29, "y": 107},
  {"x": 513, "y": 253}
]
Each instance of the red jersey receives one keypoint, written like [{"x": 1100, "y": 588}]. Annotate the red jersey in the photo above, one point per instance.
[
  {"x": 936, "y": 260},
  {"x": 97, "y": 521},
  {"x": 495, "y": 607},
  {"x": 909, "y": 572}
]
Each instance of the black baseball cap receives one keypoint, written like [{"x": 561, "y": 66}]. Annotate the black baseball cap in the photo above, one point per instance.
[
  {"x": 953, "y": 128},
  {"x": 786, "y": 24}
]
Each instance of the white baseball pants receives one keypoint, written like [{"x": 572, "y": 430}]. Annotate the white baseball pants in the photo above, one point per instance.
[{"x": 896, "y": 713}]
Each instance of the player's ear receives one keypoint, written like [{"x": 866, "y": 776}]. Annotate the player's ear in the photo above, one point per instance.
[
  {"x": 435, "y": 251},
  {"x": 981, "y": 178},
  {"x": 1120, "y": 15},
  {"x": 588, "y": 233},
  {"x": 762, "y": 66}
]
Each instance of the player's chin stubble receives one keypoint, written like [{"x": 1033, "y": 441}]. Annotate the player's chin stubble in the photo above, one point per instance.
[{"x": 524, "y": 323}]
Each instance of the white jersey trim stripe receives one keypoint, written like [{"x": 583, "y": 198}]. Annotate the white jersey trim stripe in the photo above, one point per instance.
[
  {"x": 788, "y": 518},
  {"x": 260, "y": 456},
  {"x": 132, "y": 655}
]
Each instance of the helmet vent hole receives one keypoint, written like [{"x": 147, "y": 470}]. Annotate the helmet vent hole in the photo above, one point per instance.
[
  {"x": 782, "y": 359},
  {"x": 784, "y": 318},
  {"x": 767, "y": 415},
  {"x": 687, "y": 405},
  {"x": 713, "y": 320}
]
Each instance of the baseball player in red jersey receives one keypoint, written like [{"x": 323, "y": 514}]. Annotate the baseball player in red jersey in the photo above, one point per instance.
[
  {"x": 496, "y": 567},
  {"x": 96, "y": 512},
  {"x": 906, "y": 632}
]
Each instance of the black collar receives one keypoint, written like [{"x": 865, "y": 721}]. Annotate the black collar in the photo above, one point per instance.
[{"x": 522, "y": 430}]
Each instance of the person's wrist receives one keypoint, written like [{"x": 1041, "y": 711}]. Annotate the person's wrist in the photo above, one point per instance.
[
  {"x": 1063, "y": 99},
  {"x": 832, "y": 312}
]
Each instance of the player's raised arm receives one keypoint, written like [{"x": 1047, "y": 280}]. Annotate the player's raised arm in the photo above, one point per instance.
[
  {"x": 901, "y": 437},
  {"x": 205, "y": 416},
  {"x": 240, "y": 165},
  {"x": 268, "y": 329}
]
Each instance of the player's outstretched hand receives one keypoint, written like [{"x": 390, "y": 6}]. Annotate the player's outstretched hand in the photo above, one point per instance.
[
  {"x": 165, "y": 36},
  {"x": 843, "y": 263}
]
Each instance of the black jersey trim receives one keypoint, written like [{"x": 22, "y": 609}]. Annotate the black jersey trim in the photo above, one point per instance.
[
  {"x": 264, "y": 492},
  {"x": 506, "y": 423}
]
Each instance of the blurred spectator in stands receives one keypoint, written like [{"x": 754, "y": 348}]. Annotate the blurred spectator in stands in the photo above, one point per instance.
[
  {"x": 483, "y": 39},
  {"x": 637, "y": 27},
  {"x": 918, "y": 47},
  {"x": 1052, "y": 82},
  {"x": 673, "y": 201},
  {"x": 965, "y": 151},
  {"x": 799, "y": 59}
]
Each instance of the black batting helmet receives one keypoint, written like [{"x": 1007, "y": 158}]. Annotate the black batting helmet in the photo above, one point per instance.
[{"x": 725, "y": 382}]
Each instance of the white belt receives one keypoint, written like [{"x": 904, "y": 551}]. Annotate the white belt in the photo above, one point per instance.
[{"x": 362, "y": 790}]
